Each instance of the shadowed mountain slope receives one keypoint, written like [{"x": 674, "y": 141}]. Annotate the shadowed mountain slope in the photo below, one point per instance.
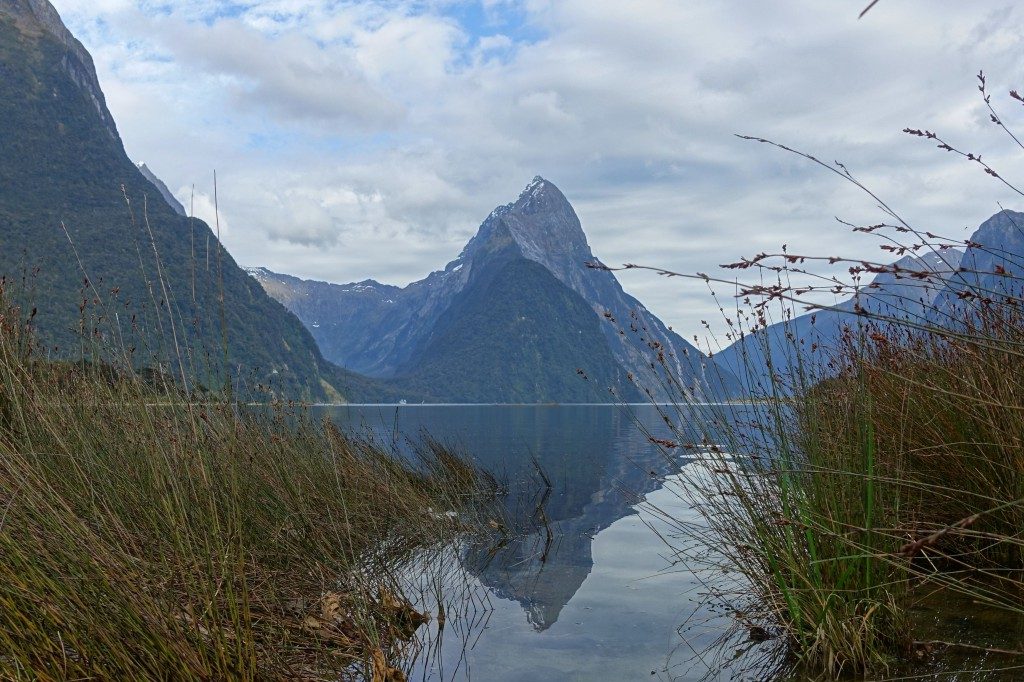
[
  {"x": 992, "y": 268},
  {"x": 518, "y": 335},
  {"x": 106, "y": 261}
]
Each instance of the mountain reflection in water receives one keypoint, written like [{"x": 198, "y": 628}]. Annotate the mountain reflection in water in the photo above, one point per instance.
[
  {"x": 555, "y": 609},
  {"x": 584, "y": 587}
]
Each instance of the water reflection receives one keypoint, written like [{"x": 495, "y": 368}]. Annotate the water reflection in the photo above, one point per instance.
[
  {"x": 580, "y": 587},
  {"x": 583, "y": 586},
  {"x": 572, "y": 471}
]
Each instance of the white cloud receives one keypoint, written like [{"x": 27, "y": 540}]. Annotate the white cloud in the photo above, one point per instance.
[
  {"x": 203, "y": 206},
  {"x": 288, "y": 74},
  {"x": 369, "y": 139}
]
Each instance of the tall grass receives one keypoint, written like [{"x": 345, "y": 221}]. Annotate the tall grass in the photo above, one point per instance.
[
  {"x": 871, "y": 472},
  {"x": 147, "y": 536}
]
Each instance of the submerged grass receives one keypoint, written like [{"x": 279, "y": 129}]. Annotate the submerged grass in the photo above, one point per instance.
[{"x": 144, "y": 536}]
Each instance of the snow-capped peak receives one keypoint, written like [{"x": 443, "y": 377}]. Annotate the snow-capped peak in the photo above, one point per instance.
[
  {"x": 258, "y": 271},
  {"x": 535, "y": 187}
]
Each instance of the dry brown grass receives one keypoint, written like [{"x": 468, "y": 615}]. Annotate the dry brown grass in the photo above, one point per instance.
[{"x": 146, "y": 536}]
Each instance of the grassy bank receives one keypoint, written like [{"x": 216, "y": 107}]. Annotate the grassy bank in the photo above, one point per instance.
[
  {"x": 143, "y": 536},
  {"x": 876, "y": 472},
  {"x": 844, "y": 505}
]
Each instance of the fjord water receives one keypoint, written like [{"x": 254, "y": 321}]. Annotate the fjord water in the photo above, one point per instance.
[
  {"x": 604, "y": 596},
  {"x": 599, "y": 598}
]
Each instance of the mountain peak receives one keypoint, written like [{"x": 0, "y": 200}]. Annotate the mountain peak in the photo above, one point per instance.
[
  {"x": 1006, "y": 225},
  {"x": 541, "y": 222},
  {"x": 162, "y": 188},
  {"x": 540, "y": 196},
  {"x": 538, "y": 185}
]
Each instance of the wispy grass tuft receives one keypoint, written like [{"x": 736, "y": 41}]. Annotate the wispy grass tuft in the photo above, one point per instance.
[
  {"x": 145, "y": 535},
  {"x": 877, "y": 463}
]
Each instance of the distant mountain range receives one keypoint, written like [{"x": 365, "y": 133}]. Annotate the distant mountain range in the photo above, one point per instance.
[
  {"x": 792, "y": 353},
  {"x": 958, "y": 284},
  {"x": 104, "y": 255},
  {"x": 517, "y": 317},
  {"x": 508, "y": 320}
]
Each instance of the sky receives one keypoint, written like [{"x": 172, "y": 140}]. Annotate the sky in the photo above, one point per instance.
[{"x": 369, "y": 139}]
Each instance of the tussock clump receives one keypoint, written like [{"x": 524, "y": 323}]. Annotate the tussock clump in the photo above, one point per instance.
[
  {"x": 144, "y": 535},
  {"x": 879, "y": 458}
]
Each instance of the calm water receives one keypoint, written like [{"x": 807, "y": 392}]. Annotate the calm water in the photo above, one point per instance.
[
  {"x": 585, "y": 587},
  {"x": 597, "y": 598}
]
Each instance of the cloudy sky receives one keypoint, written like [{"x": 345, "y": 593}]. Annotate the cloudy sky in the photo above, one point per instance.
[{"x": 357, "y": 139}]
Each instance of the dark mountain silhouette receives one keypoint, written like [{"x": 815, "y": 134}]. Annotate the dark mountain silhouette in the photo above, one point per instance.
[{"x": 88, "y": 241}]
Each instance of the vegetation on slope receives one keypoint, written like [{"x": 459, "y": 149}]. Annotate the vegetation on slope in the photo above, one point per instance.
[
  {"x": 881, "y": 472},
  {"x": 518, "y": 335},
  {"x": 86, "y": 239}
]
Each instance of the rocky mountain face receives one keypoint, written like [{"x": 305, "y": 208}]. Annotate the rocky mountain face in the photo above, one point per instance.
[
  {"x": 547, "y": 230},
  {"x": 356, "y": 325},
  {"x": 76, "y": 246},
  {"x": 162, "y": 189},
  {"x": 517, "y": 334},
  {"x": 992, "y": 268},
  {"x": 38, "y": 18},
  {"x": 791, "y": 353},
  {"x": 572, "y": 317}
]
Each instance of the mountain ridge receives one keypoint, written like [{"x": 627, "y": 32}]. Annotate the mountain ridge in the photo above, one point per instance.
[
  {"x": 40, "y": 16},
  {"x": 379, "y": 329},
  {"x": 784, "y": 356},
  {"x": 162, "y": 188}
]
